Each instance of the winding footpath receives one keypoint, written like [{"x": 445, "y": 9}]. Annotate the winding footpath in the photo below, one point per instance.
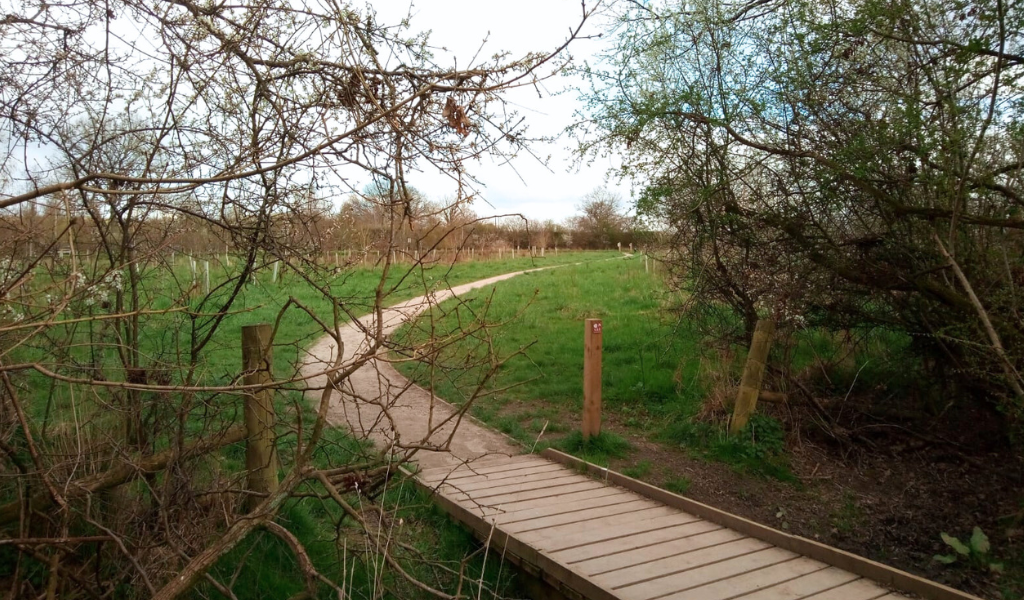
[
  {"x": 412, "y": 409},
  {"x": 600, "y": 537}
]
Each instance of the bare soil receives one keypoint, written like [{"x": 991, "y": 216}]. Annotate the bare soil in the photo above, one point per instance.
[{"x": 887, "y": 496}]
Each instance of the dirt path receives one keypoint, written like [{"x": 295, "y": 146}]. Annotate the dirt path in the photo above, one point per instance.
[{"x": 412, "y": 409}]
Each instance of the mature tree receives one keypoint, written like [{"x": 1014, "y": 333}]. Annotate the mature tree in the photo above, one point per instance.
[
  {"x": 133, "y": 131},
  {"x": 847, "y": 163},
  {"x": 600, "y": 222}
]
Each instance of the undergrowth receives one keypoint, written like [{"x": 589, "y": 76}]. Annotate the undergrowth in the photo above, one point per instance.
[{"x": 758, "y": 449}]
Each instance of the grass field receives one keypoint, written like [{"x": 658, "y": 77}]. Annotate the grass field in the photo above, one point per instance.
[
  {"x": 654, "y": 372},
  {"x": 269, "y": 570}
]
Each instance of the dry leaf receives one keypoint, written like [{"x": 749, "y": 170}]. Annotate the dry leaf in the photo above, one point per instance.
[{"x": 456, "y": 116}]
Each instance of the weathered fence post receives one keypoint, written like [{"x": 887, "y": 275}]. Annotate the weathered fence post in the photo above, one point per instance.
[
  {"x": 753, "y": 374},
  {"x": 260, "y": 444},
  {"x": 592, "y": 378},
  {"x": 206, "y": 277}
]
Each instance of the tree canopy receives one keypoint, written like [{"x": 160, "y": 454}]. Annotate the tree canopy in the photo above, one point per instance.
[{"x": 847, "y": 164}]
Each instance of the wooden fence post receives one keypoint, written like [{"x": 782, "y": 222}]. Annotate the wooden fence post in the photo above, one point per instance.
[
  {"x": 260, "y": 445},
  {"x": 592, "y": 378},
  {"x": 753, "y": 374}
]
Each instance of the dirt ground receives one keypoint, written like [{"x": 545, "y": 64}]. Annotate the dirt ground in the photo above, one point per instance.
[{"x": 887, "y": 496}]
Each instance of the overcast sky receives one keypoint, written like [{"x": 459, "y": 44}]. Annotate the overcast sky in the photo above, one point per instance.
[{"x": 520, "y": 27}]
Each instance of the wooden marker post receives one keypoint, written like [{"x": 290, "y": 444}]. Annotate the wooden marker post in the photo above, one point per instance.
[
  {"x": 592, "y": 378},
  {"x": 753, "y": 374},
  {"x": 260, "y": 445}
]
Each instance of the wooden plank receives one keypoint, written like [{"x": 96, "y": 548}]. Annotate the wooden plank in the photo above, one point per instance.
[
  {"x": 560, "y": 502},
  {"x": 671, "y": 565},
  {"x": 884, "y": 574},
  {"x": 507, "y": 499},
  {"x": 859, "y": 589},
  {"x": 609, "y": 549},
  {"x": 474, "y": 486},
  {"x": 556, "y": 505},
  {"x": 505, "y": 475},
  {"x": 468, "y": 473},
  {"x": 817, "y": 582},
  {"x": 477, "y": 465},
  {"x": 581, "y": 516},
  {"x": 474, "y": 468},
  {"x": 526, "y": 557},
  {"x": 703, "y": 575},
  {"x": 474, "y": 463},
  {"x": 513, "y": 488},
  {"x": 666, "y": 550},
  {"x": 584, "y": 536},
  {"x": 596, "y": 525},
  {"x": 751, "y": 581}
]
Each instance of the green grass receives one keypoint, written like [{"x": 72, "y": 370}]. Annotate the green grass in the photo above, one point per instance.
[
  {"x": 678, "y": 485},
  {"x": 430, "y": 546},
  {"x": 758, "y": 449},
  {"x": 268, "y": 570},
  {"x": 642, "y": 354},
  {"x": 599, "y": 449},
  {"x": 639, "y": 470},
  {"x": 651, "y": 380}
]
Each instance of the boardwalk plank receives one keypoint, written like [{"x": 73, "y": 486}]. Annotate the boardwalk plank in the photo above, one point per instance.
[
  {"x": 557, "y": 502},
  {"x": 702, "y": 538},
  {"x": 512, "y": 488},
  {"x": 824, "y": 581},
  {"x": 480, "y": 467},
  {"x": 751, "y": 581},
  {"x": 701, "y": 576},
  {"x": 646, "y": 571},
  {"x": 626, "y": 543},
  {"x": 860, "y": 589},
  {"x": 465, "y": 482},
  {"x": 556, "y": 505},
  {"x": 475, "y": 485},
  {"x": 538, "y": 537},
  {"x": 583, "y": 536},
  {"x": 509, "y": 499},
  {"x": 588, "y": 515}
]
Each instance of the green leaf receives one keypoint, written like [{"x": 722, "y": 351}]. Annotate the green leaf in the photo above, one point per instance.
[
  {"x": 955, "y": 544},
  {"x": 979, "y": 541},
  {"x": 946, "y": 559},
  {"x": 995, "y": 567}
]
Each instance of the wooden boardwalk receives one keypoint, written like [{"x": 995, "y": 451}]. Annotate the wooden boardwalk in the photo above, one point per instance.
[
  {"x": 585, "y": 531},
  {"x": 590, "y": 538}
]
